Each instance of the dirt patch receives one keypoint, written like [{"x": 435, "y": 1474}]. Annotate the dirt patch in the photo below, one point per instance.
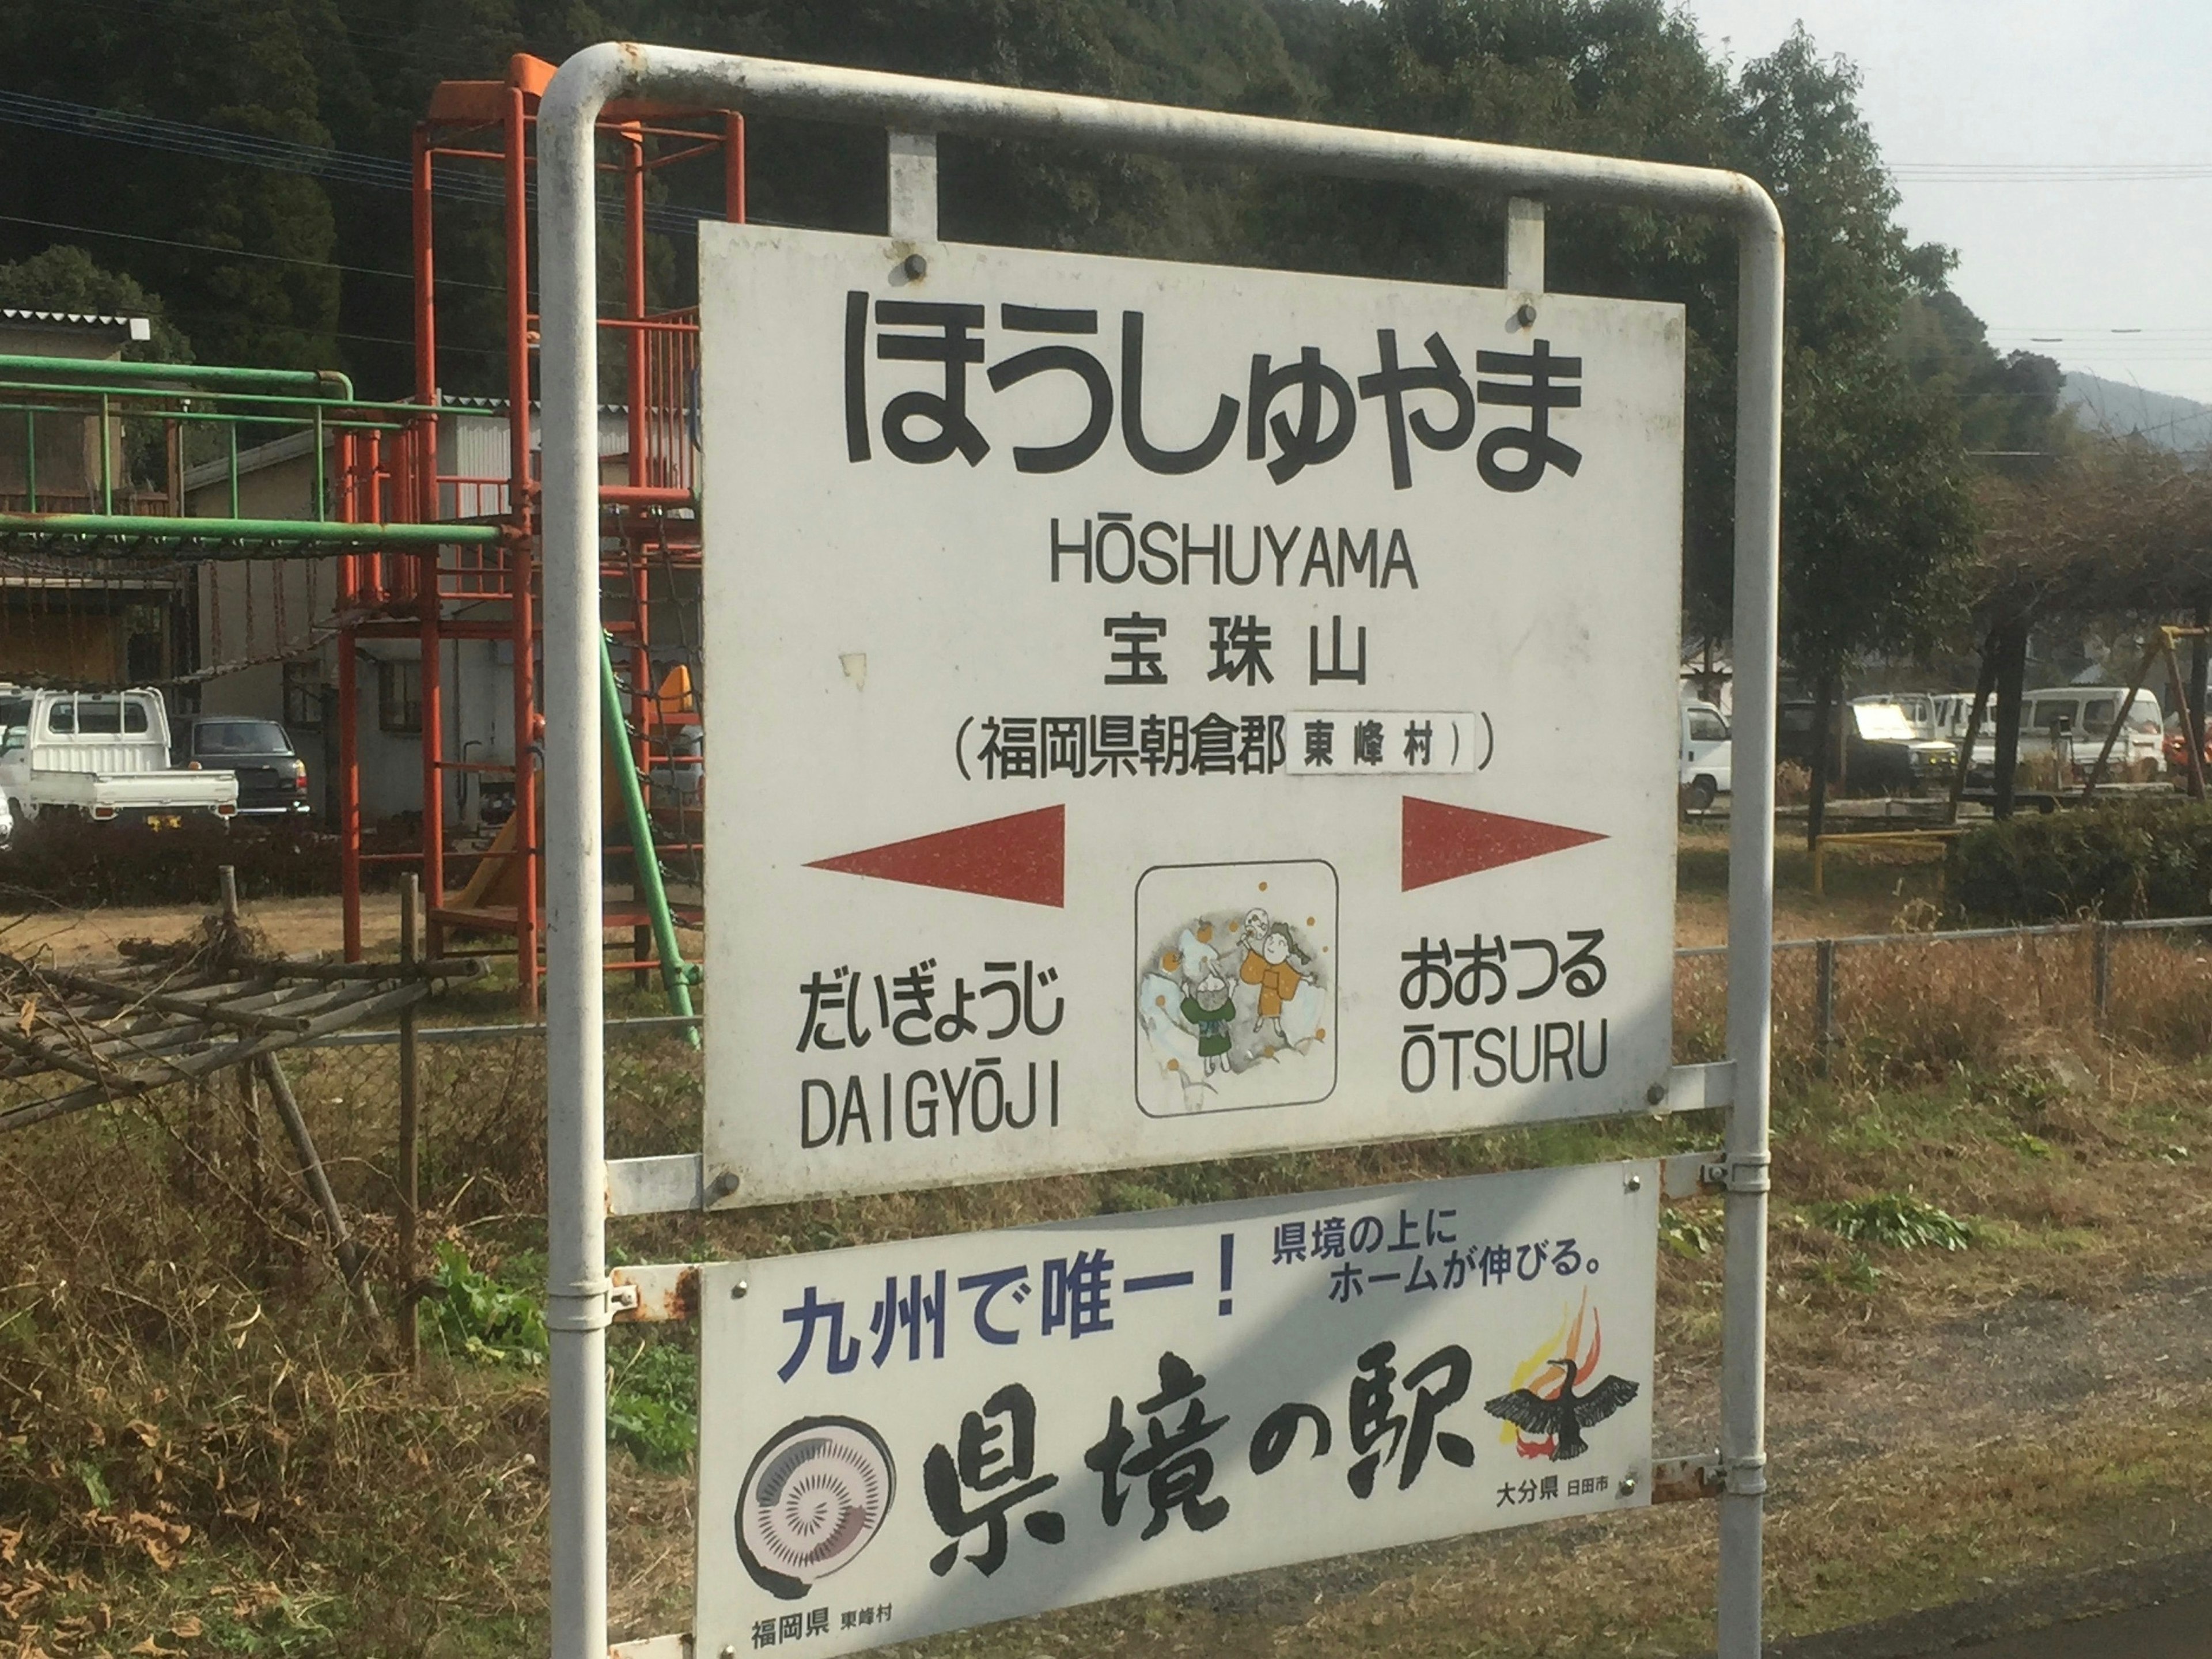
[{"x": 297, "y": 926}]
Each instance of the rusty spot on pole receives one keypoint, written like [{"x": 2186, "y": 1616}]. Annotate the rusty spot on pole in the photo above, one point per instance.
[{"x": 1685, "y": 1480}]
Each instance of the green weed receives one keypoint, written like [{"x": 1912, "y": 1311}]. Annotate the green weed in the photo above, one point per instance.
[
  {"x": 1898, "y": 1220},
  {"x": 652, "y": 1386},
  {"x": 473, "y": 1315},
  {"x": 1684, "y": 1236},
  {"x": 652, "y": 1403}
]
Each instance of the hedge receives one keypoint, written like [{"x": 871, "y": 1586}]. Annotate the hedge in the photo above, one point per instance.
[
  {"x": 2121, "y": 861},
  {"x": 65, "y": 861}
]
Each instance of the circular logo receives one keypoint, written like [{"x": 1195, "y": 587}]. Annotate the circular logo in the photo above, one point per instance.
[{"x": 815, "y": 1495}]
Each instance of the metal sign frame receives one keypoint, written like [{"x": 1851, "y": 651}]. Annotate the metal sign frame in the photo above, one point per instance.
[{"x": 913, "y": 111}]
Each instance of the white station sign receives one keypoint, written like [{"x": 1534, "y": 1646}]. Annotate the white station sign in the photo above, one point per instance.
[
  {"x": 924, "y": 1436},
  {"x": 1164, "y": 712}
]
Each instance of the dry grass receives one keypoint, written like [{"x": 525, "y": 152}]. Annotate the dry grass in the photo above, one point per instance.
[{"x": 197, "y": 1450}]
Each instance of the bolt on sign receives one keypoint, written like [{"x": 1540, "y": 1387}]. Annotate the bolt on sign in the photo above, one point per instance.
[
  {"x": 1166, "y": 712},
  {"x": 924, "y": 1436}
]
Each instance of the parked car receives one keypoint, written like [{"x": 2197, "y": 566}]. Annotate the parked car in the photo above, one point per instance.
[
  {"x": 2176, "y": 746},
  {"x": 1705, "y": 761},
  {"x": 2065, "y": 727},
  {"x": 272, "y": 778},
  {"x": 1917, "y": 707},
  {"x": 102, "y": 754},
  {"x": 1882, "y": 754}
]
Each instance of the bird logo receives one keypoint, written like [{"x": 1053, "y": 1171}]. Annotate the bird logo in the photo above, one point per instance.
[{"x": 1546, "y": 1415}]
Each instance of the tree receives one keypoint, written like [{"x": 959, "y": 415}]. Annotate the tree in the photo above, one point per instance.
[
  {"x": 65, "y": 278},
  {"x": 1877, "y": 517},
  {"x": 238, "y": 65},
  {"x": 2009, "y": 405}
]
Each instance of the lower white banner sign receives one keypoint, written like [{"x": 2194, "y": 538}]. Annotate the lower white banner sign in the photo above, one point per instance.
[{"x": 920, "y": 1437}]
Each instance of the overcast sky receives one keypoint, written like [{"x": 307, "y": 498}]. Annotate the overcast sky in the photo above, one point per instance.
[{"x": 2008, "y": 123}]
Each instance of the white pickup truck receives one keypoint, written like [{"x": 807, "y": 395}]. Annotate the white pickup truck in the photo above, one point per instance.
[{"x": 98, "y": 755}]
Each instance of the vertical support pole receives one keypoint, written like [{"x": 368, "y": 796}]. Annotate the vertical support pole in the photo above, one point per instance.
[
  {"x": 425, "y": 270},
  {"x": 1524, "y": 246},
  {"x": 424, "y": 509},
  {"x": 200, "y": 1139},
  {"x": 348, "y": 712},
  {"x": 578, "y": 1299},
  {"x": 172, "y": 464},
  {"x": 249, "y": 1103},
  {"x": 633, "y": 143},
  {"x": 1751, "y": 930},
  {"x": 733, "y": 169},
  {"x": 913, "y": 157},
  {"x": 106, "y": 456},
  {"x": 2191, "y": 732},
  {"x": 434, "y": 732},
  {"x": 372, "y": 485},
  {"x": 520, "y": 562},
  {"x": 257, "y": 1168},
  {"x": 637, "y": 756},
  {"x": 350, "y": 788},
  {"x": 1824, "y": 1001},
  {"x": 639, "y": 360},
  {"x": 410, "y": 1163},
  {"x": 2101, "y": 974},
  {"x": 2200, "y": 662}
]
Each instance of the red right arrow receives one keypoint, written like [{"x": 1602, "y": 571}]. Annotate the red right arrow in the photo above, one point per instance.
[{"x": 1439, "y": 842}]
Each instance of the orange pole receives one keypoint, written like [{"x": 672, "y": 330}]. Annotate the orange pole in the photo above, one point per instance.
[
  {"x": 348, "y": 711},
  {"x": 374, "y": 513},
  {"x": 733, "y": 169},
  {"x": 422, "y": 506},
  {"x": 633, "y": 297},
  {"x": 426, "y": 293}
]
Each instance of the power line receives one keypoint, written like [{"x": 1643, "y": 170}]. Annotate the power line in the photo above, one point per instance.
[
  {"x": 284, "y": 155},
  {"x": 2038, "y": 173},
  {"x": 240, "y": 252}
]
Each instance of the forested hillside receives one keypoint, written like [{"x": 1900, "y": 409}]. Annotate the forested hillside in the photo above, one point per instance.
[{"x": 270, "y": 264}]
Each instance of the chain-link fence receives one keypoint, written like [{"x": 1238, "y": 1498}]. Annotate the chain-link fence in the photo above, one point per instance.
[
  {"x": 1876, "y": 1009},
  {"x": 1904, "y": 1007}
]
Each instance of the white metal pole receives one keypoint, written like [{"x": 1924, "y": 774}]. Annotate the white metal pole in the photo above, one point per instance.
[
  {"x": 1751, "y": 928},
  {"x": 578, "y": 1306},
  {"x": 576, "y": 1168}
]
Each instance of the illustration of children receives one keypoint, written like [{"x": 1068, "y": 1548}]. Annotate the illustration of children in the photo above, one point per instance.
[
  {"x": 1267, "y": 965},
  {"x": 1209, "y": 1008}
]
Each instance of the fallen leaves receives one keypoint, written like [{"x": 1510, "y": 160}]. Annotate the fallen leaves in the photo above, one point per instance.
[{"x": 160, "y": 1539}]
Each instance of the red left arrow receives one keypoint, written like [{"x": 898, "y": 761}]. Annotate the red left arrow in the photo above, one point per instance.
[{"x": 1024, "y": 858}]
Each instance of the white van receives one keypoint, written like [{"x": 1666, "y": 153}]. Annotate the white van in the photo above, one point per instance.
[
  {"x": 1951, "y": 711},
  {"x": 1704, "y": 757},
  {"x": 2085, "y": 712},
  {"x": 2071, "y": 723}
]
